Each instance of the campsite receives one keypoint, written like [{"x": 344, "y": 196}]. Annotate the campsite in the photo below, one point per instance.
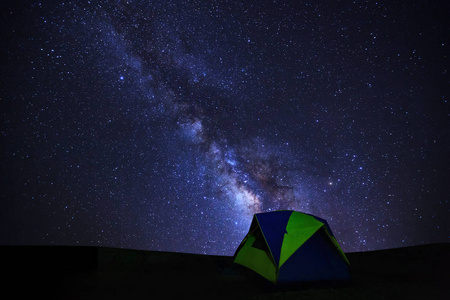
[
  {"x": 63, "y": 272},
  {"x": 287, "y": 247},
  {"x": 151, "y": 148}
]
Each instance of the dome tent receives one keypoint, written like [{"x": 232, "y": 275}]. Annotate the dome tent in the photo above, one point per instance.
[{"x": 289, "y": 246}]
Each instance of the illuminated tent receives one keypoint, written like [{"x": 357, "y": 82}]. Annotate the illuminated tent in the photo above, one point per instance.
[{"x": 289, "y": 246}]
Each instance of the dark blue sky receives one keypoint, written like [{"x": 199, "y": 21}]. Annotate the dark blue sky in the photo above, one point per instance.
[{"x": 166, "y": 125}]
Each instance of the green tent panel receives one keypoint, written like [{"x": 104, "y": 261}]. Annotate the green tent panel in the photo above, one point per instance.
[
  {"x": 256, "y": 259},
  {"x": 290, "y": 246},
  {"x": 299, "y": 229}
]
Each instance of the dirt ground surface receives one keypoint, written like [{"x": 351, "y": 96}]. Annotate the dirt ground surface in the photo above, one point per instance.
[{"x": 60, "y": 272}]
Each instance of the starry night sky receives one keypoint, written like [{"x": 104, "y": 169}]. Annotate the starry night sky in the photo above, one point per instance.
[{"x": 165, "y": 125}]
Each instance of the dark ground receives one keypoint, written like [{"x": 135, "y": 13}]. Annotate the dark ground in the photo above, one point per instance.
[{"x": 60, "y": 272}]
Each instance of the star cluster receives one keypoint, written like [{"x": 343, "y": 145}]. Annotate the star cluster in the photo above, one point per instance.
[{"x": 166, "y": 125}]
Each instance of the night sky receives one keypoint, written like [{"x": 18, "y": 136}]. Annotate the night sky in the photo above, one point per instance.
[{"x": 165, "y": 125}]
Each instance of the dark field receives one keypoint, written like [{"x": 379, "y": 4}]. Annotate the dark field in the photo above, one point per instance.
[{"x": 60, "y": 272}]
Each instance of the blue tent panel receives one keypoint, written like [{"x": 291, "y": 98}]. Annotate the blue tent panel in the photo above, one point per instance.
[
  {"x": 273, "y": 226},
  {"x": 315, "y": 260}
]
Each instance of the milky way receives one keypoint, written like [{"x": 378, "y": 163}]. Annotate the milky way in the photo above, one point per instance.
[{"x": 166, "y": 125}]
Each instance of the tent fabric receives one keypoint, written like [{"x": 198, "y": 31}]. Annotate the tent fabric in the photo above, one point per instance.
[
  {"x": 298, "y": 230},
  {"x": 271, "y": 225},
  {"x": 318, "y": 261},
  {"x": 289, "y": 246}
]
